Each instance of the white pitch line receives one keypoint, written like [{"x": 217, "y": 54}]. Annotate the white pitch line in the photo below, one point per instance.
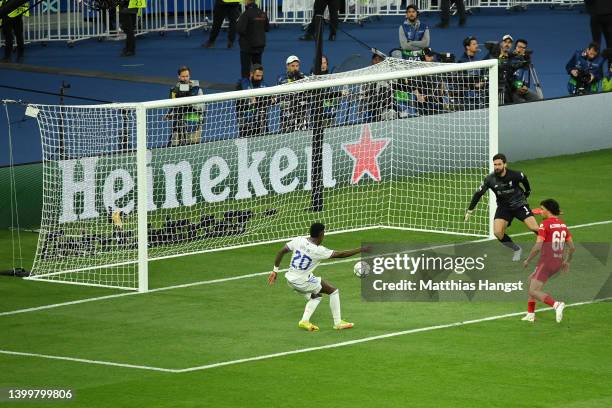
[
  {"x": 287, "y": 353},
  {"x": 247, "y": 276},
  {"x": 373, "y": 338},
  {"x": 87, "y": 361},
  {"x": 74, "y": 302}
]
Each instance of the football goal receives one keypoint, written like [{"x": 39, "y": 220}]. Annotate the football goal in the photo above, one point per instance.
[{"x": 400, "y": 144}]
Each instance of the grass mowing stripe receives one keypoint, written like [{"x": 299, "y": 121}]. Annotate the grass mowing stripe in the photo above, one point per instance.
[
  {"x": 239, "y": 277},
  {"x": 299, "y": 351}
]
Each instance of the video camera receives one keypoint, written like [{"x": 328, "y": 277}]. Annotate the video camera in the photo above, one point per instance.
[
  {"x": 583, "y": 82},
  {"x": 419, "y": 55},
  {"x": 295, "y": 76},
  {"x": 184, "y": 89},
  {"x": 494, "y": 48},
  {"x": 445, "y": 57},
  {"x": 583, "y": 79}
]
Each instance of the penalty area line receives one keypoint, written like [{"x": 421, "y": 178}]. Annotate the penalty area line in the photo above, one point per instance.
[
  {"x": 247, "y": 276},
  {"x": 292, "y": 352}
]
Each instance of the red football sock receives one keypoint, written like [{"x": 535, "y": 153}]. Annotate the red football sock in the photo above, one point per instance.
[
  {"x": 549, "y": 300},
  {"x": 531, "y": 306}
]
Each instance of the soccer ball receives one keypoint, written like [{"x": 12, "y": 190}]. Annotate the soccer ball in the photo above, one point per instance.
[{"x": 361, "y": 269}]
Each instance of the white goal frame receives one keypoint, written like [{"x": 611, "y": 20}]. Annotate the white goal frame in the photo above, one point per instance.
[{"x": 141, "y": 110}]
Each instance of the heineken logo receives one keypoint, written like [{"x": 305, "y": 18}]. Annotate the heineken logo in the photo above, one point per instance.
[{"x": 177, "y": 177}]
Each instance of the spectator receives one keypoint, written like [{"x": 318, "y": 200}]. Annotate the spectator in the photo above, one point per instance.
[
  {"x": 470, "y": 49},
  {"x": 445, "y": 13},
  {"x": 252, "y": 26},
  {"x": 294, "y": 107},
  {"x": 186, "y": 120},
  {"x": 376, "y": 98},
  {"x": 503, "y": 48},
  {"x": 12, "y": 24},
  {"x": 252, "y": 112},
  {"x": 506, "y": 44},
  {"x": 319, "y": 9},
  {"x": 521, "y": 63},
  {"x": 325, "y": 70},
  {"x": 429, "y": 55},
  {"x": 601, "y": 20},
  {"x": 475, "y": 96},
  {"x": 223, "y": 9},
  {"x": 585, "y": 68},
  {"x": 293, "y": 72},
  {"x": 376, "y": 59},
  {"x": 327, "y": 99},
  {"x": 505, "y": 71},
  {"x": 413, "y": 35},
  {"x": 324, "y": 65},
  {"x": 429, "y": 91},
  {"x": 129, "y": 10}
]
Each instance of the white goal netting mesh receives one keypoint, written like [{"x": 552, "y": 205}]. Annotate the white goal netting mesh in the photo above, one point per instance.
[{"x": 402, "y": 153}]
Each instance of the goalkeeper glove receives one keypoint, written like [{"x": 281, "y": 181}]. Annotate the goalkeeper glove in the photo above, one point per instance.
[{"x": 468, "y": 214}]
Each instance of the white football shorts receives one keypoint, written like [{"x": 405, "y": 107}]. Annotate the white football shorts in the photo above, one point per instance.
[{"x": 312, "y": 285}]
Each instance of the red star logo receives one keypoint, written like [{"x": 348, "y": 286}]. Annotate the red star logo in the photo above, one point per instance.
[{"x": 365, "y": 155}]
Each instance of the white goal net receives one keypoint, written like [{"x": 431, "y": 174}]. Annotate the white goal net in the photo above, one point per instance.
[{"x": 399, "y": 144}]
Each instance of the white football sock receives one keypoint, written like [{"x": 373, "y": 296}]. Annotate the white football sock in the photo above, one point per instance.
[
  {"x": 334, "y": 304},
  {"x": 310, "y": 308}
]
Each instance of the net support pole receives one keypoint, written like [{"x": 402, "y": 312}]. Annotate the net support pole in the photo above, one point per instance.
[
  {"x": 141, "y": 197},
  {"x": 318, "y": 128},
  {"x": 493, "y": 137}
]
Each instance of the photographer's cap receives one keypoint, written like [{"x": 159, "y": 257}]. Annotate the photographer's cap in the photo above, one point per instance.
[
  {"x": 292, "y": 58},
  {"x": 507, "y": 37}
]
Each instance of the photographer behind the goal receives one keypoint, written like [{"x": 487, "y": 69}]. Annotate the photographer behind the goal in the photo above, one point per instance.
[
  {"x": 501, "y": 51},
  {"x": 521, "y": 64},
  {"x": 473, "y": 93},
  {"x": 252, "y": 113},
  {"x": 586, "y": 70},
  {"x": 186, "y": 120},
  {"x": 294, "y": 106}
]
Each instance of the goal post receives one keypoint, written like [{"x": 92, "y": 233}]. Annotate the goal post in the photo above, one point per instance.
[
  {"x": 142, "y": 194},
  {"x": 493, "y": 138},
  {"x": 405, "y": 144}
]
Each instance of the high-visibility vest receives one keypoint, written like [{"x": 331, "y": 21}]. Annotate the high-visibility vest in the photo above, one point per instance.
[
  {"x": 23, "y": 10},
  {"x": 606, "y": 85},
  {"x": 139, "y": 4}
]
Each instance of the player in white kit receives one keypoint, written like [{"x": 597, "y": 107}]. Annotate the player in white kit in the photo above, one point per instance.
[{"x": 307, "y": 254}]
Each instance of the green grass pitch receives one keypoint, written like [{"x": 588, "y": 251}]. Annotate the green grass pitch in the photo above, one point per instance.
[{"x": 497, "y": 363}]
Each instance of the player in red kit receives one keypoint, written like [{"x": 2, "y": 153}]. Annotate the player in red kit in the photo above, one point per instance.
[{"x": 552, "y": 237}]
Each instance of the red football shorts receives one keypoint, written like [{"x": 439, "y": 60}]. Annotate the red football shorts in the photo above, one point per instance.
[{"x": 543, "y": 272}]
